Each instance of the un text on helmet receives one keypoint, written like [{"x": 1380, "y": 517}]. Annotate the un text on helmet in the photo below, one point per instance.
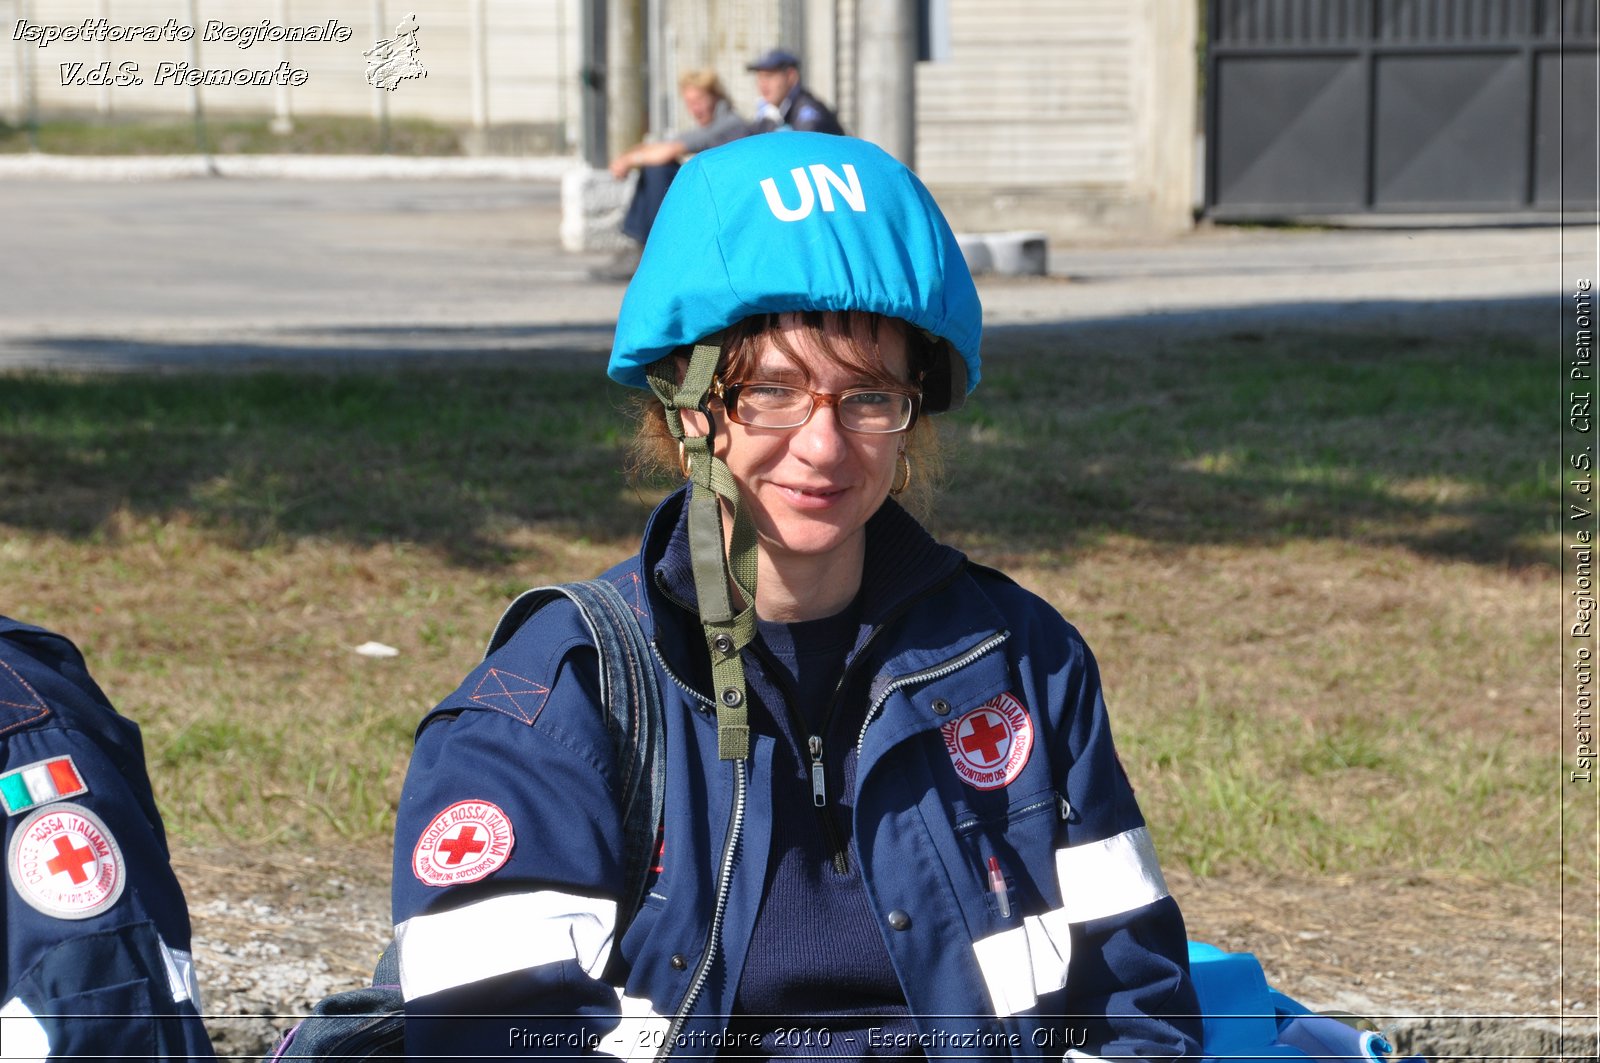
[{"x": 826, "y": 183}]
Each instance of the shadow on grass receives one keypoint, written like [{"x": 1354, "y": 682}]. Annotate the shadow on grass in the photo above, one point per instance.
[
  {"x": 1437, "y": 444},
  {"x": 451, "y": 458},
  {"x": 335, "y": 348}
]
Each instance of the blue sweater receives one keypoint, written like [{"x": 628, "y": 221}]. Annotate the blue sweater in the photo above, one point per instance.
[{"x": 816, "y": 959}]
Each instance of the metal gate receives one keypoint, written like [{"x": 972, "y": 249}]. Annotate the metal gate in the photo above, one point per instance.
[{"x": 1362, "y": 106}]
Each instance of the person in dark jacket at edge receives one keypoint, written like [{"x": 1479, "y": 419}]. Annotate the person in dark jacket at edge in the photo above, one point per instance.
[
  {"x": 96, "y": 933},
  {"x": 785, "y": 102},
  {"x": 895, "y": 824}
]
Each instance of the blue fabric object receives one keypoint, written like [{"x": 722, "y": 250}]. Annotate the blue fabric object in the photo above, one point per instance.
[
  {"x": 796, "y": 221},
  {"x": 1240, "y": 1020},
  {"x": 1246, "y": 1021},
  {"x": 1323, "y": 1037}
]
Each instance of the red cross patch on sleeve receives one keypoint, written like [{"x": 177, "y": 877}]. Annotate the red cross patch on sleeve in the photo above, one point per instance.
[
  {"x": 468, "y": 841},
  {"x": 989, "y": 746},
  {"x": 65, "y": 863}
]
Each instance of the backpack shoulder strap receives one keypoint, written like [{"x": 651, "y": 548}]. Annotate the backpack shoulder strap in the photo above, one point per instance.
[{"x": 632, "y": 700}]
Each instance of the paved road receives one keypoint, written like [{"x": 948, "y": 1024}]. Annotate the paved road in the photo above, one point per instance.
[
  {"x": 98, "y": 274},
  {"x": 204, "y": 270}
]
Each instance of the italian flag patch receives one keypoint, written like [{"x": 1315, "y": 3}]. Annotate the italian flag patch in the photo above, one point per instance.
[{"x": 40, "y": 783}]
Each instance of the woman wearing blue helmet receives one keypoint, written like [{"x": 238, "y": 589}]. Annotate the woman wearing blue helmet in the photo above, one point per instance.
[{"x": 895, "y": 824}]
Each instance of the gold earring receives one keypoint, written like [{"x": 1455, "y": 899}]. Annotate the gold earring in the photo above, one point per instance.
[
  {"x": 904, "y": 475},
  {"x": 684, "y": 463}
]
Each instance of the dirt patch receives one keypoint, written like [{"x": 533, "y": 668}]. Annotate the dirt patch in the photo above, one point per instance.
[
  {"x": 1450, "y": 967},
  {"x": 272, "y": 936}
]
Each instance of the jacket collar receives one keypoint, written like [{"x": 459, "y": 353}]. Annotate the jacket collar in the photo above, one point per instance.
[{"x": 902, "y": 563}]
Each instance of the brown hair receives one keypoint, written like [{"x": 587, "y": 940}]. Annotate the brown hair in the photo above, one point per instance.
[
  {"x": 705, "y": 80},
  {"x": 850, "y": 338}
]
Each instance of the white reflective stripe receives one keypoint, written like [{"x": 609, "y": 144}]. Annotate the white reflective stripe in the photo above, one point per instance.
[
  {"x": 1109, "y": 877},
  {"x": 502, "y": 934},
  {"x": 21, "y": 1035},
  {"x": 1021, "y": 964},
  {"x": 641, "y": 1034},
  {"x": 180, "y": 975},
  {"x": 1097, "y": 879},
  {"x": 1087, "y": 1057}
]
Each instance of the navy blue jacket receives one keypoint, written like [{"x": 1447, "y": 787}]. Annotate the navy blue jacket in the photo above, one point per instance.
[
  {"x": 799, "y": 111},
  {"x": 985, "y": 752},
  {"x": 96, "y": 934}
]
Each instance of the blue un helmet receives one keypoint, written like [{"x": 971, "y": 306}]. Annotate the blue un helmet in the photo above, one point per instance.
[
  {"x": 799, "y": 221},
  {"x": 771, "y": 224}
]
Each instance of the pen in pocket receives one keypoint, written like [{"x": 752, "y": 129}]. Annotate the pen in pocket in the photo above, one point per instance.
[{"x": 997, "y": 883}]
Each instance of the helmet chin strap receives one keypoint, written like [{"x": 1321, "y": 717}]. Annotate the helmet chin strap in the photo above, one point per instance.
[{"x": 717, "y": 571}]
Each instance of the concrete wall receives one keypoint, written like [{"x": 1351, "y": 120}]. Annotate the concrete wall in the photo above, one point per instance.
[{"x": 1070, "y": 117}]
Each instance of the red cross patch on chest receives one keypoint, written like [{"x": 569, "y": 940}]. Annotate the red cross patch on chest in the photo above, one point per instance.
[
  {"x": 467, "y": 841},
  {"x": 990, "y": 745}
]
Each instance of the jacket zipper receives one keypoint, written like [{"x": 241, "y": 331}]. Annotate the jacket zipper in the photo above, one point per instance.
[
  {"x": 819, "y": 784},
  {"x": 724, "y": 873},
  {"x": 813, "y": 746},
  {"x": 714, "y": 935},
  {"x": 819, "y": 778},
  {"x": 680, "y": 684},
  {"x": 936, "y": 672}
]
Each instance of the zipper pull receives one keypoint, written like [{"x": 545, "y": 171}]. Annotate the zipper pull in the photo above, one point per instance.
[{"x": 819, "y": 781}]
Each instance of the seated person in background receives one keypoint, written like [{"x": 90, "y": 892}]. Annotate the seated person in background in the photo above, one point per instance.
[
  {"x": 96, "y": 934},
  {"x": 785, "y": 103},
  {"x": 716, "y": 122}
]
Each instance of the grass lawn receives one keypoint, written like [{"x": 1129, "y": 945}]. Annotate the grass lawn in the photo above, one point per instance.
[
  {"x": 1319, "y": 571},
  {"x": 309, "y": 135}
]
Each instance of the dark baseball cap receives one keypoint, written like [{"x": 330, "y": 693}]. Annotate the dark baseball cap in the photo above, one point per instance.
[{"x": 776, "y": 59}]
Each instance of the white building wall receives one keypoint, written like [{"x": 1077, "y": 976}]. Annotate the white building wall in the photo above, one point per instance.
[
  {"x": 1065, "y": 116},
  {"x": 1032, "y": 94}
]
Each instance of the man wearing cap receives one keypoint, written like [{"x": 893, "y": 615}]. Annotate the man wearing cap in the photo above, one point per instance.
[
  {"x": 785, "y": 103},
  {"x": 95, "y": 932}
]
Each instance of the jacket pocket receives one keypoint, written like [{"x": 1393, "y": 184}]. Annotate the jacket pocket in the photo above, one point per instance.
[
  {"x": 1010, "y": 852},
  {"x": 113, "y": 1020}
]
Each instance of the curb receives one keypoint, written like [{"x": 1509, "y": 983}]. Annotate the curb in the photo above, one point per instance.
[
  {"x": 1022, "y": 253},
  {"x": 286, "y": 167}
]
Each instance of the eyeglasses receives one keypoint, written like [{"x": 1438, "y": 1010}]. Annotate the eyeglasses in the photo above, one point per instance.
[{"x": 871, "y": 411}]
